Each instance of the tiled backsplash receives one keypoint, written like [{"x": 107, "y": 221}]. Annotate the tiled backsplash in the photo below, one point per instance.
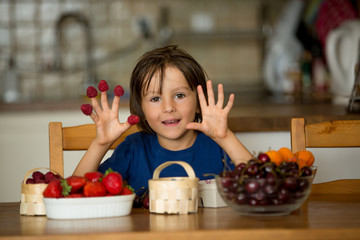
[{"x": 60, "y": 46}]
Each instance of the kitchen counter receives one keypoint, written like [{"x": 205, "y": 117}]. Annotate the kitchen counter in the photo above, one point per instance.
[{"x": 257, "y": 116}]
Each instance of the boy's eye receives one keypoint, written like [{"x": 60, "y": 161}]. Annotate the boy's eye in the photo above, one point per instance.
[
  {"x": 179, "y": 95},
  {"x": 154, "y": 99}
]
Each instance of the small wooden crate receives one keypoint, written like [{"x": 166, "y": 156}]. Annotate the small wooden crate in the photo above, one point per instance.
[
  {"x": 174, "y": 195},
  {"x": 32, "y": 196}
]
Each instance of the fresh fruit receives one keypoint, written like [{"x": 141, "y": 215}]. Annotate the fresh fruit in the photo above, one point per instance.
[
  {"x": 263, "y": 157},
  {"x": 76, "y": 183},
  {"x": 113, "y": 182},
  {"x": 75, "y": 195},
  {"x": 286, "y": 153},
  {"x": 38, "y": 175},
  {"x": 103, "y": 86},
  {"x": 54, "y": 189},
  {"x": 86, "y": 109},
  {"x": 118, "y": 91},
  {"x": 30, "y": 181},
  {"x": 94, "y": 189},
  {"x": 91, "y": 92},
  {"x": 50, "y": 176},
  {"x": 94, "y": 176},
  {"x": 306, "y": 156},
  {"x": 133, "y": 119},
  {"x": 127, "y": 190},
  {"x": 262, "y": 183},
  {"x": 275, "y": 156}
]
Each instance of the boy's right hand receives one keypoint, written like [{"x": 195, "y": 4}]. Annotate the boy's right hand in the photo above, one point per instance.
[{"x": 106, "y": 118}]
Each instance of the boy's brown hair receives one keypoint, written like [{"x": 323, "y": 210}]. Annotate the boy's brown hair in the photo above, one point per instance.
[{"x": 155, "y": 62}]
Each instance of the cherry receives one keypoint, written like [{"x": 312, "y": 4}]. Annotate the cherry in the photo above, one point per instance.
[{"x": 264, "y": 158}]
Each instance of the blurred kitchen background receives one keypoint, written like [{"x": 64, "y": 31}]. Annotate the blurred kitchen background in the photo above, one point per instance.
[
  {"x": 52, "y": 50},
  {"x": 266, "y": 51}
]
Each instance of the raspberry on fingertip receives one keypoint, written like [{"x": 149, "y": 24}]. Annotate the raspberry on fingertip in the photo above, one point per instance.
[
  {"x": 118, "y": 91},
  {"x": 91, "y": 92},
  {"x": 133, "y": 119},
  {"x": 103, "y": 86},
  {"x": 86, "y": 109}
]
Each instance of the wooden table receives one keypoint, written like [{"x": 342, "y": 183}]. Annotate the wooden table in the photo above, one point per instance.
[{"x": 324, "y": 216}]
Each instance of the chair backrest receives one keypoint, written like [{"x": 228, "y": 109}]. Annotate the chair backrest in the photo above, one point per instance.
[
  {"x": 327, "y": 134},
  {"x": 71, "y": 139}
]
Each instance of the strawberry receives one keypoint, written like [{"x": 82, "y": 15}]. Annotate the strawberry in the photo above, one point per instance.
[
  {"x": 76, "y": 183},
  {"x": 86, "y": 109},
  {"x": 118, "y": 91},
  {"x": 127, "y": 190},
  {"x": 54, "y": 189},
  {"x": 133, "y": 119},
  {"x": 103, "y": 86},
  {"x": 75, "y": 195},
  {"x": 93, "y": 176},
  {"x": 94, "y": 189},
  {"x": 91, "y": 92},
  {"x": 112, "y": 181}
]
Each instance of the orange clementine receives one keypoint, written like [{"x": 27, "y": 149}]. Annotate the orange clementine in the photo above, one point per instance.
[
  {"x": 286, "y": 153},
  {"x": 275, "y": 156},
  {"x": 306, "y": 156}
]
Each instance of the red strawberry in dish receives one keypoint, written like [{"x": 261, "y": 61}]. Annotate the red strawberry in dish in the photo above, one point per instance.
[
  {"x": 53, "y": 190},
  {"x": 91, "y": 92},
  {"x": 76, "y": 183},
  {"x": 133, "y": 119},
  {"x": 94, "y": 189},
  {"x": 118, "y": 91},
  {"x": 75, "y": 195},
  {"x": 127, "y": 190},
  {"x": 93, "y": 176},
  {"x": 103, "y": 86},
  {"x": 113, "y": 182},
  {"x": 86, "y": 109}
]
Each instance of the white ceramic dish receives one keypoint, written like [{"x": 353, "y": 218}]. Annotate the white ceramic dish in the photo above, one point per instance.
[
  {"x": 88, "y": 207},
  {"x": 209, "y": 196}
]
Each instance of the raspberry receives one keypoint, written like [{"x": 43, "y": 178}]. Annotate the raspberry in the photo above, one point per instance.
[
  {"x": 118, "y": 91},
  {"x": 86, "y": 109},
  {"x": 91, "y": 92},
  {"x": 133, "y": 119},
  {"x": 103, "y": 86}
]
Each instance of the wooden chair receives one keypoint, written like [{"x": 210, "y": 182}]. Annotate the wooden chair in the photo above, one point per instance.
[
  {"x": 328, "y": 134},
  {"x": 71, "y": 139}
]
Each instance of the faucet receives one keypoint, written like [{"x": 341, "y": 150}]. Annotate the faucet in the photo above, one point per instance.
[{"x": 83, "y": 21}]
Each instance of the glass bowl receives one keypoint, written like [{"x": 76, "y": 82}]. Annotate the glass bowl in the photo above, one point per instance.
[{"x": 252, "y": 196}]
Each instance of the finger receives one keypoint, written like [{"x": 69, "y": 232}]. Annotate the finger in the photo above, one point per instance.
[
  {"x": 96, "y": 106},
  {"x": 194, "y": 126},
  {"x": 115, "y": 104},
  {"x": 230, "y": 103},
  {"x": 202, "y": 99},
  {"x": 220, "y": 101},
  {"x": 210, "y": 91},
  {"x": 104, "y": 101},
  {"x": 94, "y": 117}
]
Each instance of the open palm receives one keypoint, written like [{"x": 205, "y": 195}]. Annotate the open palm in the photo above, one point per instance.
[{"x": 214, "y": 115}]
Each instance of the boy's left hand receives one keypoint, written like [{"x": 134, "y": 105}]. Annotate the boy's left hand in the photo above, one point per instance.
[{"x": 214, "y": 115}]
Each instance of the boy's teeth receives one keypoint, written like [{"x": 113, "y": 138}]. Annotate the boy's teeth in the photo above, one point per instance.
[{"x": 171, "y": 121}]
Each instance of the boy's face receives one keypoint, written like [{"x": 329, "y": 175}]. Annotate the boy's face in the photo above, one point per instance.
[{"x": 168, "y": 113}]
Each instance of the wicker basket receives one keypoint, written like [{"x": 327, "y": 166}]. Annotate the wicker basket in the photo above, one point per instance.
[
  {"x": 32, "y": 196},
  {"x": 174, "y": 195}
]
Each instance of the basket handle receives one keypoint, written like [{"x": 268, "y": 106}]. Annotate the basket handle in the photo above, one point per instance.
[
  {"x": 190, "y": 172},
  {"x": 36, "y": 169}
]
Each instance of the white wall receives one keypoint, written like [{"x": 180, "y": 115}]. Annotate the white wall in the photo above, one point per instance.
[{"x": 24, "y": 146}]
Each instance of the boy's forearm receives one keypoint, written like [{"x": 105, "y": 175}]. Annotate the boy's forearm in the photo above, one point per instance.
[
  {"x": 234, "y": 148},
  {"x": 91, "y": 160}
]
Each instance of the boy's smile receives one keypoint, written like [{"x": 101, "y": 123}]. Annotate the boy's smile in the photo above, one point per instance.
[{"x": 169, "y": 111}]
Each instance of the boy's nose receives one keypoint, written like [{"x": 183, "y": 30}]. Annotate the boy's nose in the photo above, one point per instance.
[{"x": 168, "y": 106}]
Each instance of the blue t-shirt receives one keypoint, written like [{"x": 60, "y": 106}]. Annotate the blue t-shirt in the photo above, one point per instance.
[{"x": 140, "y": 154}]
